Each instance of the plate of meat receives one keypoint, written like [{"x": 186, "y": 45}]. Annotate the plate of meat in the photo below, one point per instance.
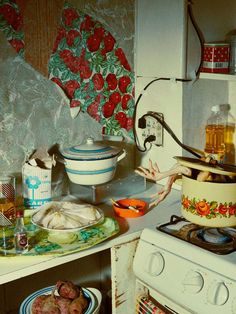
[{"x": 62, "y": 298}]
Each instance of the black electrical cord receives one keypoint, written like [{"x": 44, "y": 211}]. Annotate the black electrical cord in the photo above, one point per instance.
[
  {"x": 163, "y": 123},
  {"x": 135, "y": 111},
  {"x": 168, "y": 129},
  {"x": 199, "y": 34}
]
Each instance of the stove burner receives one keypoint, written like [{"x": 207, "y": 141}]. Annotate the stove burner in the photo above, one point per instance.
[
  {"x": 213, "y": 235},
  {"x": 216, "y": 240}
]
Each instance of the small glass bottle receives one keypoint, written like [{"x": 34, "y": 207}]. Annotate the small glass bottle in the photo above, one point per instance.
[
  {"x": 20, "y": 234},
  {"x": 215, "y": 134}
]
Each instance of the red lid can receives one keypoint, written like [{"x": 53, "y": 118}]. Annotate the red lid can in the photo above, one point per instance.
[{"x": 216, "y": 57}]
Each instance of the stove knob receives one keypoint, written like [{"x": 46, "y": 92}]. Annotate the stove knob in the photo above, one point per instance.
[
  {"x": 193, "y": 282},
  {"x": 218, "y": 293},
  {"x": 155, "y": 264}
]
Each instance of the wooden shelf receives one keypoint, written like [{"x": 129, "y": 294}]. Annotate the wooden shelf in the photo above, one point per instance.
[{"x": 217, "y": 76}]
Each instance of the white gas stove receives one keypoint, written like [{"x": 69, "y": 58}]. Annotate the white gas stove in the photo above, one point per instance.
[{"x": 184, "y": 277}]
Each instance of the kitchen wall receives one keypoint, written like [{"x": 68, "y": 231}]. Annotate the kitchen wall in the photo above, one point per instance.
[
  {"x": 161, "y": 53},
  {"x": 34, "y": 111},
  {"x": 186, "y": 106}
]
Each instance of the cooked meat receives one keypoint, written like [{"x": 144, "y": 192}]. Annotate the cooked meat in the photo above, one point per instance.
[
  {"x": 63, "y": 304},
  {"x": 68, "y": 290},
  {"x": 78, "y": 305},
  {"x": 37, "y": 304},
  {"x": 45, "y": 304}
]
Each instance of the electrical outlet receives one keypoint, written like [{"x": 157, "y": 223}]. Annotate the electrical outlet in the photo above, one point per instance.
[{"x": 153, "y": 127}]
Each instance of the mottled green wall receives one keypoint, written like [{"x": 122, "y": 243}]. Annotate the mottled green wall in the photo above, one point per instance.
[{"x": 33, "y": 110}]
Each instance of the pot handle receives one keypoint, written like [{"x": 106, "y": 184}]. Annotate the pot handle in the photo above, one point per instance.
[
  {"x": 61, "y": 160},
  {"x": 121, "y": 155}
]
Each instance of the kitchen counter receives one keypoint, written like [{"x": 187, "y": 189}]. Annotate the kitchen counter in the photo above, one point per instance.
[{"x": 12, "y": 268}]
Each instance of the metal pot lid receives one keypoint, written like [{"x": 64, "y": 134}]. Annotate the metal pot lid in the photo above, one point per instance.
[
  {"x": 223, "y": 169},
  {"x": 90, "y": 151}
]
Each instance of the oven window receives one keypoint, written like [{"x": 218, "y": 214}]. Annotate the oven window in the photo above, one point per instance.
[{"x": 145, "y": 304}]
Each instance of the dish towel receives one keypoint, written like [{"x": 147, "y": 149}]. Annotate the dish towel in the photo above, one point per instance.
[{"x": 91, "y": 68}]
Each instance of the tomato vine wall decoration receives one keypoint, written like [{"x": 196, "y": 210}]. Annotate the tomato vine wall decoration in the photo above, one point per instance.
[{"x": 91, "y": 68}]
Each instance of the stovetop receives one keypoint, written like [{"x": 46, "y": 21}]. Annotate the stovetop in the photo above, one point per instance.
[{"x": 216, "y": 240}]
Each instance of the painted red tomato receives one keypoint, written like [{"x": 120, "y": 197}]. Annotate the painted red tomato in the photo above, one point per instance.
[
  {"x": 69, "y": 16},
  {"x": 87, "y": 24},
  {"x": 122, "y": 58},
  {"x": 124, "y": 81},
  {"x": 70, "y": 38},
  {"x": 125, "y": 99},
  {"x": 70, "y": 87},
  {"x": 98, "y": 81},
  {"x": 108, "y": 109},
  {"x": 109, "y": 42},
  {"x": 57, "y": 81},
  {"x": 99, "y": 32},
  {"x": 122, "y": 119},
  {"x": 130, "y": 124},
  {"x": 93, "y": 43},
  {"x": 115, "y": 98},
  {"x": 17, "y": 44},
  {"x": 75, "y": 103},
  {"x": 111, "y": 81}
]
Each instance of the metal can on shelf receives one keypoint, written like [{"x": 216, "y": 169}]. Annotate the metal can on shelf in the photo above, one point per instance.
[
  {"x": 216, "y": 57},
  {"x": 232, "y": 63}
]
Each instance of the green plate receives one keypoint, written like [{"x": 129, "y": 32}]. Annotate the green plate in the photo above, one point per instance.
[{"x": 43, "y": 242}]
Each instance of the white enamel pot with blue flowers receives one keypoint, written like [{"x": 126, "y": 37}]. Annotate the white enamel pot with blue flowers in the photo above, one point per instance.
[{"x": 91, "y": 163}]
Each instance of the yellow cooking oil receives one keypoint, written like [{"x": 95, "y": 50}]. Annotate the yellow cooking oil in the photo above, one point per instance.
[
  {"x": 229, "y": 144},
  {"x": 215, "y": 139},
  {"x": 215, "y": 134}
]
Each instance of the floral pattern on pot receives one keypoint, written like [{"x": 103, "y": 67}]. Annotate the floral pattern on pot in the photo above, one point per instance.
[
  {"x": 91, "y": 68},
  {"x": 207, "y": 209},
  {"x": 11, "y": 23}
]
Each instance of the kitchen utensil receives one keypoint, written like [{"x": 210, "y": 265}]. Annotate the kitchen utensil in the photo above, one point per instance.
[
  {"x": 209, "y": 203},
  {"x": 124, "y": 207},
  {"x": 91, "y": 163}
]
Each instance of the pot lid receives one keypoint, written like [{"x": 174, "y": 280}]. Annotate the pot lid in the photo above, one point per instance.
[
  {"x": 223, "y": 169},
  {"x": 90, "y": 150}
]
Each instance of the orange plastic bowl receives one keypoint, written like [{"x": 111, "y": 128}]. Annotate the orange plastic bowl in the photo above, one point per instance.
[{"x": 141, "y": 205}]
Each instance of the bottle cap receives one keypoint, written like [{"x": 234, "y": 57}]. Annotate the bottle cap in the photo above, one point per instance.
[{"x": 19, "y": 214}]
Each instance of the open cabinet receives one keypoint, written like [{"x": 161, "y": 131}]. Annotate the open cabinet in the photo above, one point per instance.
[
  {"x": 187, "y": 105},
  {"x": 215, "y": 21}
]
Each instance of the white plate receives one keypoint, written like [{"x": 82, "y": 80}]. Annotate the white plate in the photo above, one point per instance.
[
  {"x": 92, "y": 223},
  {"x": 26, "y": 305}
]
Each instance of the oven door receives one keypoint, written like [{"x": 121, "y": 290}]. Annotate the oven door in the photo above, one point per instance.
[{"x": 149, "y": 301}]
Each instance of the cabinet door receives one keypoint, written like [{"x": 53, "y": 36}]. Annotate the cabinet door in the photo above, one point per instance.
[
  {"x": 161, "y": 38},
  {"x": 123, "y": 278}
]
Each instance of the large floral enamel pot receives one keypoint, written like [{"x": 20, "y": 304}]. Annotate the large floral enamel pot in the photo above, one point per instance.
[
  {"x": 211, "y": 204},
  {"x": 91, "y": 163}
]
